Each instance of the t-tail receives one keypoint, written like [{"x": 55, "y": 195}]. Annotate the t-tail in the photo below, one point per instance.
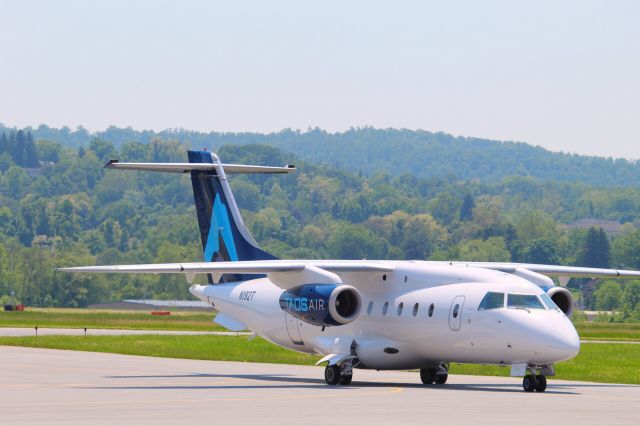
[{"x": 223, "y": 234}]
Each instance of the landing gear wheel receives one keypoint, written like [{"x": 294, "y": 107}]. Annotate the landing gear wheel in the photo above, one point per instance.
[
  {"x": 345, "y": 379},
  {"x": 529, "y": 383},
  {"x": 541, "y": 383},
  {"x": 332, "y": 374},
  {"x": 428, "y": 375},
  {"x": 441, "y": 379}
]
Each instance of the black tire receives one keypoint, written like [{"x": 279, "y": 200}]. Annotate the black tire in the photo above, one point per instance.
[
  {"x": 332, "y": 374},
  {"x": 441, "y": 379},
  {"x": 428, "y": 375},
  {"x": 345, "y": 379},
  {"x": 541, "y": 383},
  {"x": 529, "y": 383}
]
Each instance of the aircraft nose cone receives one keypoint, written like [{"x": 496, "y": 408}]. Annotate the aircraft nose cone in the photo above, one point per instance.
[{"x": 563, "y": 342}]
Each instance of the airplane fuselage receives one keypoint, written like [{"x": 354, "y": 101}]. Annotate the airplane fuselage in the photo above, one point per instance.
[{"x": 419, "y": 314}]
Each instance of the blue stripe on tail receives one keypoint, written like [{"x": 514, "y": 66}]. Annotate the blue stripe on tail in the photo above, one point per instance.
[{"x": 220, "y": 225}]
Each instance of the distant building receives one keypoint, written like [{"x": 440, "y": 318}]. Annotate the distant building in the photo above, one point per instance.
[
  {"x": 611, "y": 227},
  {"x": 154, "y": 305}
]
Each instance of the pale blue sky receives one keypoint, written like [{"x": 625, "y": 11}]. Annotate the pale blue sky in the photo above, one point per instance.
[{"x": 561, "y": 74}]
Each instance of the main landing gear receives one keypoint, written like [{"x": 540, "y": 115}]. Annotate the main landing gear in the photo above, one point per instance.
[
  {"x": 336, "y": 374},
  {"x": 536, "y": 383},
  {"x": 438, "y": 374}
]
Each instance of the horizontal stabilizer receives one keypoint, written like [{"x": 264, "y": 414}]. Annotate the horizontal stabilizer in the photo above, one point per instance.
[{"x": 187, "y": 167}]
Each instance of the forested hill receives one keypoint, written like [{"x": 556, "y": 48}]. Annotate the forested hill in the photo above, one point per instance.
[
  {"x": 369, "y": 151},
  {"x": 67, "y": 210}
]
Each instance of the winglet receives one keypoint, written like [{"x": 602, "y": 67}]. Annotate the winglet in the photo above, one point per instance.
[{"x": 109, "y": 164}]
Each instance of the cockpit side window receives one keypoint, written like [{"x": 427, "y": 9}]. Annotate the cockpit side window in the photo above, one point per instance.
[
  {"x": 548, "y": 301},
  {"x": 527, "y": 301},
  {"x": 492, "y": 300}
]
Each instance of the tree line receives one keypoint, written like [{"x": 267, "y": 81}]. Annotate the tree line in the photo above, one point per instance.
[
  {"x": 17, "y": 147},
  {"x": 369, "y": 151},
  {"x": 73, "y": 212}
]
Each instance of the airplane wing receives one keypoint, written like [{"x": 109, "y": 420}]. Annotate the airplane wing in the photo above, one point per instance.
[
  {"x": 552, "y": 270},
  {"x": 283, "y": 273},
  {"x": 290, "y": 273}
]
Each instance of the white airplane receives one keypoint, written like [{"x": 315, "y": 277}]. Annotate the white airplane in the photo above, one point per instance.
[{"x": 376, "y": 314}]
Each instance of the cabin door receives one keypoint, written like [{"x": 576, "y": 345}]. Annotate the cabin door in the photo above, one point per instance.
[{"x": 455, "y": 313}]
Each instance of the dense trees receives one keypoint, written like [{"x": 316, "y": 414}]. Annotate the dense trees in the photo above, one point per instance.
[
  {"x": 595, "y": 252},
  {"x": 466, "y": 210},
  {"x": 20, "y": 147},
  {"x": 608, "y": 296},
  {"x": 419, "y": 154},
  {"x": 74, "y": 213}
]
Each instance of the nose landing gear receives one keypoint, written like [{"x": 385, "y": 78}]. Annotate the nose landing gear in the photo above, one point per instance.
[{"x": 535, "y": 380}]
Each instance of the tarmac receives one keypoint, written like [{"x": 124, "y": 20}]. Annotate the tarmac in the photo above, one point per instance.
[
  {"x": 39, "y": 386},
  {"x": 45, "y": 331}
]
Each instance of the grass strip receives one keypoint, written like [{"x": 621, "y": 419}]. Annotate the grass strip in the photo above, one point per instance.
[
  {"x": 205, "y": 347},
  {"x": 608, "y": 331},
  {"x": 128, "y": 320},
  {"x": 596, "y": 362}
]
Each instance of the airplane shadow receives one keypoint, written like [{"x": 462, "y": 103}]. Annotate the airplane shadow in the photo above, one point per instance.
[{"x": 286, "y": 381}]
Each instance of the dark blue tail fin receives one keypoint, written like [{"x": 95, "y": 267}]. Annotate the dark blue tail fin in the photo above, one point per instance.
[{"x": 223, "y": 233}]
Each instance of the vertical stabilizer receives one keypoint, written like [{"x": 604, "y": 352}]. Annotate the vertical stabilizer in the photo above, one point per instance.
[{"x": 223, "y": 234}]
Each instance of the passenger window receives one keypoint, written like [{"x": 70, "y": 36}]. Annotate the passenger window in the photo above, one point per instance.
[
  {"x": 400, "y": 306},
  {"x": 492, "y": 300},
  {"x": 384, "y": 308},
  {"x": 431, "y": 307},
  {"x": 526, "y": 301},
  {"x": 415, "y": 309},
  {"x": 456, "y": 309},
  {"x": 369, "y": 308}
]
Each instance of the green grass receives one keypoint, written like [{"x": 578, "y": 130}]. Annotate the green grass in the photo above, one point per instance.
[
  {"x": 608, "y": 331},
  {"x": 606, "y": 363},
  {"x": 207, "y": 347},
  {"x": 135, "y": 320},
  {"x": 609, "y": 363}
]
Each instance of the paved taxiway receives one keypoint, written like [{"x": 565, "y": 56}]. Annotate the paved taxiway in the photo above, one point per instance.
[
  {"x": 43, "y": 386},
  {"x": 45, "y": 331}
]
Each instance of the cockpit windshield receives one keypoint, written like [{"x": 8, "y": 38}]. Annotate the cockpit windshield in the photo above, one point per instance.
[
  {"x": 526, "y": 301},
  {"x": 492, "y": 300}
]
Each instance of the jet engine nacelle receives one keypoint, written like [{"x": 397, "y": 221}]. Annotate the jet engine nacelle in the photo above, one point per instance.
[
  {"x": 563, "y": 298},
  {"x": 322, "y": 304}
]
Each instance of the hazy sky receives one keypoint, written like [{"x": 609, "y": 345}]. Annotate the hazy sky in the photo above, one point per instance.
[{"x": 561, "y": 74}]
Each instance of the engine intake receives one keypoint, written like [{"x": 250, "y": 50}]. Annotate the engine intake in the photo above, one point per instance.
[
  {"x": 563, "y": 298},
  {"x": 322, "y": 304}
]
